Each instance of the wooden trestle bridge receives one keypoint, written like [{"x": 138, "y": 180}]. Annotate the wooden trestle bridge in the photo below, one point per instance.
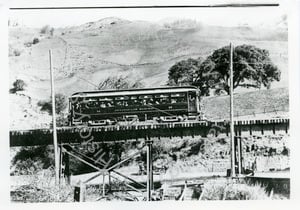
[
  {"x": 142, "y": 132},
  {"x": 146, "y": 131}
]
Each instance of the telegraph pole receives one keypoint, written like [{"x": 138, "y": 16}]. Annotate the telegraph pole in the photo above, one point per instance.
[
  {"x": 56, "y": 157},
  {"x": 233, "y": 174},
  {"x": 149, "y": 160}
]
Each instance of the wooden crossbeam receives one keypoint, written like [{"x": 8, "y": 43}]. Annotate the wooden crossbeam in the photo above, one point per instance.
[
  {"x": 128, "y": 185},
  {"x": 71, "y": 135},
  {"x": 109, "y": 169},
  {"x": 85, "y": 162},
  {"x": 126, "y": 177}
]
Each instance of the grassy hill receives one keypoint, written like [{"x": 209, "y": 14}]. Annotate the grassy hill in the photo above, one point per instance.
[
  {"x": 85, "y": 55},
  {"x": 262, "y": 103},
  {"x": 111, "y": 46}
]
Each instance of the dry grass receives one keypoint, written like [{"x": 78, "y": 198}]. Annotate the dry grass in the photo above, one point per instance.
[
  {"x": 267, "y": 102},
  {"x": 42, "y": 188},
  {"x": 97, "y": 50},
  {"x": 232, "y": 190}
]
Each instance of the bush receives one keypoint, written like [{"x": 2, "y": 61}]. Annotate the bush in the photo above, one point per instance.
[
  {"x": 42, "y": 188},
  {"x": 35, "y": 41},
  {"x": 229, "y": 190},
  {"x": 62, "y": 120},
  {"x": 18, "y": 85},
  {"x": 29, "y": 160},
  {"x": 119, "y": 83},
  {"x": 60, "y": 104},
  {"x": 47, "y": 30},
  {"x": 28, "y": 44},
  {"x": 16, "y": 52}
]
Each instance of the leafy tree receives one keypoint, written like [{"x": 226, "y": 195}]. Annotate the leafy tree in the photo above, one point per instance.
[
  {"x": 182, "y": 72},
  {"x": 119, "y": 83},
  {"x": 32, "y": 159},
  {"x": 60, "y": 104},
  {"x": 252, "y": 67}
]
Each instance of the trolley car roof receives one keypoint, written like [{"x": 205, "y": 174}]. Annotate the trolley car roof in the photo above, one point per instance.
[{"x": 143, "y": 91}]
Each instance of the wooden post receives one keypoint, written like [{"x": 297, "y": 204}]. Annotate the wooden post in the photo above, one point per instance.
[
  {"x": 151, "y": 167},
  {"x": 66, "y": 158},
  {"x": 82, "y": 192},
  {"x": 149, "y": 171},
  {"x": 239, "y": 155},
  {"x": 103, "y": 184},
  {"x": 109, "y": 181},
  {"x": 231, "y": 114},
  {"x": 56, "y": 155},
  {"x": 61, "y": 166}
]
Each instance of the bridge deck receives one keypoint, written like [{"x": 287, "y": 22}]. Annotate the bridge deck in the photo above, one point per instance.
[{"x": 80, "y": 134}]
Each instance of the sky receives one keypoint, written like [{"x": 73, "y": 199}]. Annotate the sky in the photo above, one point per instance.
[{"x": 254, "y": 16}]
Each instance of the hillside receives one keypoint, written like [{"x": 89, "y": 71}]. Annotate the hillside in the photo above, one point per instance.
[
  {"x": 111, "y": 46},
  {"x": 87, "y": 54},
  {"x": 256, "y": 104}
]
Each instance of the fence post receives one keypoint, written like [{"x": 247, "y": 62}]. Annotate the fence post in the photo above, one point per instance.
[{"x": 80, "y": 192}]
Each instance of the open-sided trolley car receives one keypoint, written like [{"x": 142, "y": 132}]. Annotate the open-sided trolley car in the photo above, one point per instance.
[{"x": 110, "y": 106}]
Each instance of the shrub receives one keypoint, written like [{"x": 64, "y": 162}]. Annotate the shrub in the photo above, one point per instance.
[
  {"x": 62, "y": 120},
  {"x": 47, "y": 30},
  {"x": 60, "y": 104},
  {"x": 19, "y": 85},
  {"x": 35, "y": 41},
  {"x": 229, "y": 190},
  {"x": 29, "y": 160},
  {"x": 195, "y": 148},
  {"x": 119, "y": 83},
  {"x": 16, "y": 52},
  {"x": 51, "y": 31},
  {"x": 42, "y": 188},
  {"x": 28, "y": 44}
]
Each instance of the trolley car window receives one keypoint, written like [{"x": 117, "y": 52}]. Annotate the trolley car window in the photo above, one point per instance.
[
  {"x": 162, "y": 99},
  {"x": 173, "y": 95},
  {"x": 162, "y": 96},
  {"x": 178, "y": 98},
  {"x": 146, "y": 99},
  {"x": 105, "y": 99},
  {"x": 120, "y": 98},
  {"x": 146, "y": 96}
]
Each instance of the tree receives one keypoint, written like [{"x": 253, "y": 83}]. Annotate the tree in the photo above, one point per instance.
[
  {"x": 47, "y": 30},
  {"x": 35, "y": 40},
  {"x": 252, "y": 67},
  {"x": 119, "y": 83},
  {"x": 60, "y": 104},
  {"x": 32, "y": 159},
  {"x": 182, "y": 72},
  {"x": 19, "y": 85}
]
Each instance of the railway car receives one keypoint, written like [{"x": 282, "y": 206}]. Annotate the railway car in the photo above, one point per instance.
[{"x": 164, "y": 104}]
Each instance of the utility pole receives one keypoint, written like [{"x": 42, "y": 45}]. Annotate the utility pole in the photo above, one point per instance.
[
  {"x": 56, "y": 157},
  {"x": 233, "y": 174},
  {"x": 149, "y": 169}
]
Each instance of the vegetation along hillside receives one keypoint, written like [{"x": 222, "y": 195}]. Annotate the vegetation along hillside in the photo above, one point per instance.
[{"x": 86, "y": 55}]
